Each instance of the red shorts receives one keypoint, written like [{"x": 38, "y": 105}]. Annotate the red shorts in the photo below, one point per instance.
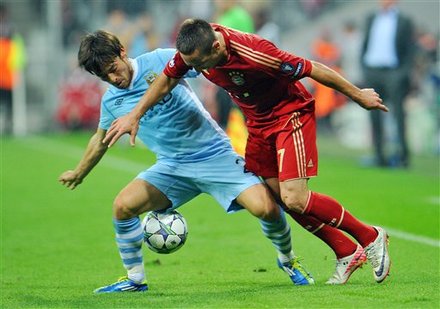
[{"x": 286, "y": 150}]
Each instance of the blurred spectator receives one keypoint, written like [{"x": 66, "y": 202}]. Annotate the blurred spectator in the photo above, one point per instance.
[
  {"x": 350, "y": 43},
  {"x": 425, "y": 57},
  {"x": 118, "y": 24},
  {"x": 266, "y": 28},
  {"x": 423, "y": 103},
  {"x": 312, "y": 8},
  {"x": 71, "y": 24},
  {"x": 230, "y": 14},
  {"x": 80, "y": 99},
  {"x": 326, "y": 51},
  {"x": 387, "y": 59},
  {"x": 348, "y": 123},
  {"x": 144, "y": 37},
  {"x": 12, "y": 60}
]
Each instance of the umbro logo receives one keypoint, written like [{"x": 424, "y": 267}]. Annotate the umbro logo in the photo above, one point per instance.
[{"x": 119, "y": 101}]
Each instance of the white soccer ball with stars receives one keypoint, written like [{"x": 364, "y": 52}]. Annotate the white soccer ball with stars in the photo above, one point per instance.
[{"x": 164, "y": 232}]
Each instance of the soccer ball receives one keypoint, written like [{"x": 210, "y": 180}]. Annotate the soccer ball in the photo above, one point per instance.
[{"x": 164, "y": 232}]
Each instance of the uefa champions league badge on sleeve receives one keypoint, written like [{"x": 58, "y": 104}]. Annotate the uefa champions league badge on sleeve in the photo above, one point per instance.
[
  {"x": 290, "y": 70},
  {"x": 287, "y": 68}
]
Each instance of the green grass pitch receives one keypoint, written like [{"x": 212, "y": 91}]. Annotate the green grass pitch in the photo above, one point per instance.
[{"x": 57, "y": 245}]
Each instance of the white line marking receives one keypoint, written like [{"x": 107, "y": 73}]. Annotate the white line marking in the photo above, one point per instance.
[
  {"x": 113, "y": 162},
  {"x": 74, "y": 152},
  {"x": 412, "y": 237},
  {"x": 435, "y": 200}
]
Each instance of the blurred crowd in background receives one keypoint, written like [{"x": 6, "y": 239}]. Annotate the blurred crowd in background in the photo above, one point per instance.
[{"x": 40, "y": 38}]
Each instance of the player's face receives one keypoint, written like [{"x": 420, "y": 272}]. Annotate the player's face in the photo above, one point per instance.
[
  {"x": 203, "y": 61},
  {"x": 119, "y": 73}
]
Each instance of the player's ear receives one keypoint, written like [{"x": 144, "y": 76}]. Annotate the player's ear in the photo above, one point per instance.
[
  {"x": 123, "y": 53},
  {"x": 216, "y": 46}
]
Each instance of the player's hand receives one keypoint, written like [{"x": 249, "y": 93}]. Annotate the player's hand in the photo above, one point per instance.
[
  {"x": 370, "y": 99},
  {"x": 125, "y": 124},
  {"x": 70, "y": 179}
]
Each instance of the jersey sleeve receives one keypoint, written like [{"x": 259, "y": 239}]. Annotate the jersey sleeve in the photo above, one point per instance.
[
  {"x": 106, "y": 117},
  {"x": 165, "y": 54},
  {"x": 176, "y": 67},
  {"x": 280, "y": 62}
]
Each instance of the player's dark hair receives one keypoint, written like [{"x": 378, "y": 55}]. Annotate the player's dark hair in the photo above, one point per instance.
[
  {"x": 195, "y": 34},
  {"x": 97, "y": 51}
]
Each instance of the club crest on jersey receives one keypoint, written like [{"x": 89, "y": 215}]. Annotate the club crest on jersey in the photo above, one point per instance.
[
  {"x": 150, "y": 77},
  {"x": 237, "y": 78}
]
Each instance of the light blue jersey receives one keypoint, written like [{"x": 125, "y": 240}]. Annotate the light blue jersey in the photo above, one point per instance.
[
  {"x": 178, "y": 129},
  {"x": 193, "y": 154}
]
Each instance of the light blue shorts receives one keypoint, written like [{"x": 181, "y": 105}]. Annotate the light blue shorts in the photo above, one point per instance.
[{"x": 223, "y": 177}]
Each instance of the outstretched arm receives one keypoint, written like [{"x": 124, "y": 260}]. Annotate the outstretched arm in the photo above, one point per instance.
[
  {"x": 130, "y": 122},
  {"x": 94, "y": 152},
  {"x": 366, "y": 98}
]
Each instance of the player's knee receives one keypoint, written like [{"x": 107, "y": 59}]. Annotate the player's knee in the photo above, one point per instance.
[
  {"x": 294, "y": 195},
  {"x": 122, "y": 209},
  {"x": 294, "y": 202},
  {"x": 266, "y": 211}
]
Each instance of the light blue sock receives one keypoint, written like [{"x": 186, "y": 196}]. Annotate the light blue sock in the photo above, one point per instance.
[
  {"x": 129, "y": 237},
  {"x": 279, "y": 233}
]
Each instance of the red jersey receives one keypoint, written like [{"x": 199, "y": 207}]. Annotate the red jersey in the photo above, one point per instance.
[{"x": 260, "y": 78}]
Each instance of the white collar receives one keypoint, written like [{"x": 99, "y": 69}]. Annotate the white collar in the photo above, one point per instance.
[{"x": 135, "y": 67}]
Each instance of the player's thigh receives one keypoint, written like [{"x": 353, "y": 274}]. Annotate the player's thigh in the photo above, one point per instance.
[
  {"x": 258, "y": 200},
  {"x": 274, "y": 186},
  {"x": 178, "y": 187},
  {"x": 140, "y": 196},
  {"x": 224, "y": 178},
  {"x": 296, "y": 147}
]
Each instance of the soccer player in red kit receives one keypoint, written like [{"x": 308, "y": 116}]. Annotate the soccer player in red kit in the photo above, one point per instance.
[{"x": 264, "y": 82}]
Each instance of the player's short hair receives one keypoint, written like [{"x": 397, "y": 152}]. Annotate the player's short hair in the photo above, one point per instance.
[
  {"x": 195, "y": 34},
  {"x": 97, "y": 51}
]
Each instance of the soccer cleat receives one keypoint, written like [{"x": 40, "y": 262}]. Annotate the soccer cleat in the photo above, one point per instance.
[
  {"x": 296, "y": 272},
  {"x": 123, "y": 285},
  {"x": 377, "y": 254},
  {"x": 347, "y": 265}
]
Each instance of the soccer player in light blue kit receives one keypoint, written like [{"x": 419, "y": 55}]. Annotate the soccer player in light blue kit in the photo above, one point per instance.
[{"x": 193, "y": 156}]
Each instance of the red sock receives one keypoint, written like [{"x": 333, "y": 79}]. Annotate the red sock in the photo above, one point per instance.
[
  {"x": 340, "y": 243},
  {"x": 328, "y": 210}
]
